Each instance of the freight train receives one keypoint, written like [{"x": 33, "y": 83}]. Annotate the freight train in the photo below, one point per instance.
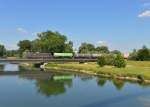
[{"x": 31, "y": 55}]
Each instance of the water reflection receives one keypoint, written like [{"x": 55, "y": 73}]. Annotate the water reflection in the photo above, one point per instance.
[
  {"x": 2, "y": 66},
  {"x": 101, "y": 81},
  {"x": 50, "y": 84},
  {"x": 41, "y": 88},
  {"x": 119, "y": 84},
  {"x": 53, "y": 87},
  {"x": 9, "y": 67},
  {"x": 54, "y": 84}
]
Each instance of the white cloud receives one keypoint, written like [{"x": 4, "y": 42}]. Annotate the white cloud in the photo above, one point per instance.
[
  {"x": 11, "y": 47},
  {"x": 21, "y": 30},
  {"x": 35, "y": 33},
  {"x": 102, "y": 43},
  {"x": 145, "y": 14}
]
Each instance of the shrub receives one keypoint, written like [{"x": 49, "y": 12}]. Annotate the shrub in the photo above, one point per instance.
[
  {"x": 101, "y": 61},
  {"x": 119, "y": 61},
  {"x": 109, "y": 59}
]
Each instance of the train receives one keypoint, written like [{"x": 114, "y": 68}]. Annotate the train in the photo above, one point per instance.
[{"x": 37, "y": 55}]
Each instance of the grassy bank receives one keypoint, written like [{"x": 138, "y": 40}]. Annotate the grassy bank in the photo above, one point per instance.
[{"x": 135, "y": 70}]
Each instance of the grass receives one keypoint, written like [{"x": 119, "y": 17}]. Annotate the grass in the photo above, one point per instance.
[{"x": 133, "y": 69}]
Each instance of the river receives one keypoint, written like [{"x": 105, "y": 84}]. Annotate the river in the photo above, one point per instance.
[{"x": 40, "y": 89}]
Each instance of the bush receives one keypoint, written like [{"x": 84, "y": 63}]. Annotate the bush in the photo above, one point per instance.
[
  {"x": 101, "y": 61},
  {"x": 109, "y": 59},
  {"x": 119, "y": 61}
]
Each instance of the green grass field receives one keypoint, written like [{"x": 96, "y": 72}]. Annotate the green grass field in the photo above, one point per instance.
[{"x": 133, "y": 69}]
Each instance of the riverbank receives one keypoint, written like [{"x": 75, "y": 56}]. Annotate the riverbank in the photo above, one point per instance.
[
  {"x": 28, "y": 66},
  {"x": 135, "y": 70}
]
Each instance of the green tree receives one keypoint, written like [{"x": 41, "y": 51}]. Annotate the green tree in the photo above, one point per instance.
[
  {"x": 101, "y": 61},
  {"x": 24, "y": 45},
  {"x": 143, "y": 54},
  {"x": 86, "y": 48},
  {"x": 102, "y": 49},
  {"x": 133, "y": 55},
  {"x": 119, "y": 61},
  {"x": 69, "y": 47},
  {"x": 37, "y": 46},
  {"x": 47, "y": 42},
  {"x": 115, "y": 52},
  {"x": 2, "y": 50},
  {"x": 109, "y": 59},
  {"x": 52, "y": 41},
  {"x": 11, "y": 53}
]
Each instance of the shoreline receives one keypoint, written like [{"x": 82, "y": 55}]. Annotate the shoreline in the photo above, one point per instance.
[{"x": 104, "y": 75}]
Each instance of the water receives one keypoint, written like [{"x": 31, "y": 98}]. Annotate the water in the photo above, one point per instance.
[
  {"x": 8, "y": 67},
  {"x": 68, "y": 90}
]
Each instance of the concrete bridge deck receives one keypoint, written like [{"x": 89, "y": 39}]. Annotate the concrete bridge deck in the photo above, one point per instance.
[{"x": 44, "y": 60}]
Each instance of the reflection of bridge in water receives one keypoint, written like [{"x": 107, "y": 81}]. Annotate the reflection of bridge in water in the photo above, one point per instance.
[
  {"x": 44, "y": 60},
  {"x": 28, "y": 74}
]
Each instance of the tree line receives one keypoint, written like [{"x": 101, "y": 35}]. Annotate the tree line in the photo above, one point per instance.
[
  {"x": 51, "y": 42},
  {"x": 142, "y": 54}
]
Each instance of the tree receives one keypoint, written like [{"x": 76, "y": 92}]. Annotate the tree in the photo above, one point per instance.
[
  {"x": 11, "y": 53},
  {"x": 101, "y": 61},
  {"x": 24, "y": 45},
  {"x": 52, "y": 41},
  {"x": 37, "y": 46},
  {"x": 115, "y": 52},
  {"x": 143, "y": 54},
  {"x": 109, "y": 59},
  {"x": 47, "y": 42},
  {"x": 86, "y": 48},
  {"x": 119, "y": 61},
  {"x": 102, "y": 49},
  {"x": 133, "y": 55},
  {"x": 2, "y": 50},
  {"x": 69, "y": 47}
]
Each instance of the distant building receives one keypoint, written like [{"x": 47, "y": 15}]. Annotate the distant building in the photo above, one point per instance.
[{"x": 126, "y": 55}]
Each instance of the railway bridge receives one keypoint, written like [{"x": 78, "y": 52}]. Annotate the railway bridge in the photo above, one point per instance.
[{"x": 44, "y": 60}]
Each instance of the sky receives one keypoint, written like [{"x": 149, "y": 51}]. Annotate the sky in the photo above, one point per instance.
[{"x": 119, "y": 24}]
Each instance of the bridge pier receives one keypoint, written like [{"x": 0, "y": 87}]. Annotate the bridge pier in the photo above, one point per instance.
[{"x": 38, "y": 65}]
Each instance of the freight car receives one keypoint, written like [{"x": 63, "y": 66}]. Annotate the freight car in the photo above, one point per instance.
[
  {"x": 63, "y": 55},
  {"x": 86, "y": 56},
  {"x": 31, "y": 55}
]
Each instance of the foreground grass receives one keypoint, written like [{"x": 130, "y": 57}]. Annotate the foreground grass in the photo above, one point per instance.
[{"x": 134, "y": 69}]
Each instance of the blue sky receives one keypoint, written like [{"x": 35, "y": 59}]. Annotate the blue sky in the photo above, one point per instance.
[{"x": 120, "y": 24}]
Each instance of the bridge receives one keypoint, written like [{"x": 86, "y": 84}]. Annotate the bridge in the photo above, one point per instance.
[{"x": 44, "y": 60}]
